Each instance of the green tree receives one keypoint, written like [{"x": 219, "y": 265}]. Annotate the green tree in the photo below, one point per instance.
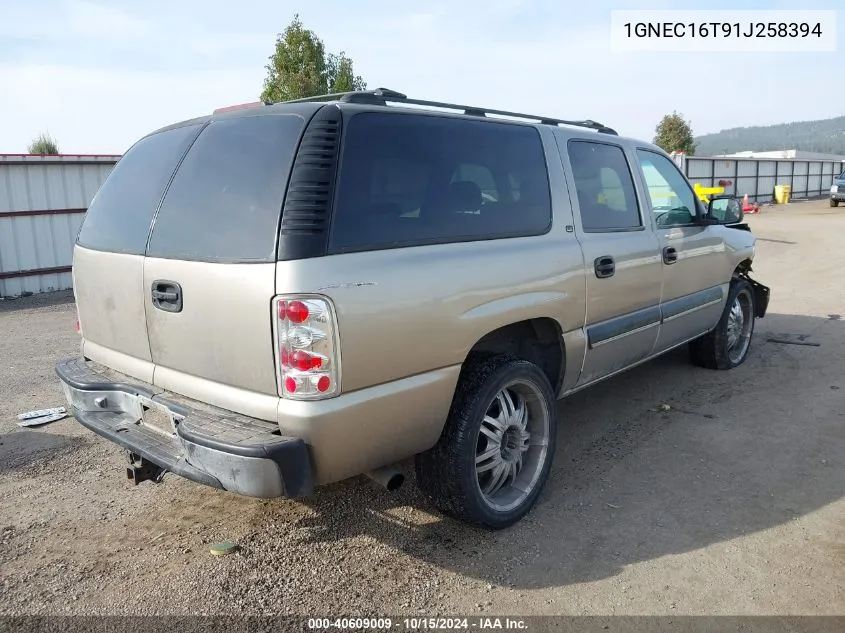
[
  {"x": 300, "y": 67},
  {"x": 674, "y": 134},
  {"x": 341, "y": 77},
  {"x": 43, "y": 144}
]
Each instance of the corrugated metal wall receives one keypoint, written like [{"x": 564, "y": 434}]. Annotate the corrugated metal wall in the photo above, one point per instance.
[
  {"x": 757, "y": 177},
  {"x": 42, "y": 203}
]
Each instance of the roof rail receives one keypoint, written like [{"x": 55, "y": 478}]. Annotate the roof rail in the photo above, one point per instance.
[{"x": 383, "y": 96}]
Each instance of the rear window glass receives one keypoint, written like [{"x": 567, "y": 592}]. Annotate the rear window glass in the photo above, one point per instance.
[
  {"x": 415, "y": 179},
  {"x": 226, "y": 197},
  {"x": 119, "y": 217}
]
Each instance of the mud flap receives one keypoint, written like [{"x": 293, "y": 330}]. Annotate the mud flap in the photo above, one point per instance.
[{"x": 761, "y": 297}]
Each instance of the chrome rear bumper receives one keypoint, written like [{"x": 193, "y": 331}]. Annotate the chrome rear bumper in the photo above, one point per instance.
[{"x": 209, "y": 446}]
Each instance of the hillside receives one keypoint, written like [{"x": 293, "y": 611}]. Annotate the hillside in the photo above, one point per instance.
[{"x": 826, "y": 135}]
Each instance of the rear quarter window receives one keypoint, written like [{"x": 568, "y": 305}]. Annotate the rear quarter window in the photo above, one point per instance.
[
  {"x": 226, "y": 197},
  {"x": 409, "y": 179},
  {"x": 119, "y": 217}
]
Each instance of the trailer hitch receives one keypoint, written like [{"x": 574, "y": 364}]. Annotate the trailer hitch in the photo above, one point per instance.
[{"x": 140, "y": 469}]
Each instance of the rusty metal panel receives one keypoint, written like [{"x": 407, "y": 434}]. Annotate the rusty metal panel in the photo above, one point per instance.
[{"x": 42, "y": 204}]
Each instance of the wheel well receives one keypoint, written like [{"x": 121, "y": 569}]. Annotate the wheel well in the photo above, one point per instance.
[
  {"x": 537, "y": 340},
  {"x": 743, "y": 268}
]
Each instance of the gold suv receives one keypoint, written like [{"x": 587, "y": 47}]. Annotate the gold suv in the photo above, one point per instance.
[{"x": 281, "y": 296}]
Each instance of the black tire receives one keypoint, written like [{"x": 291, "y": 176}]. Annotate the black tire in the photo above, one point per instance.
[
  {"x": 834, "y": 203},
  {"x": 447, "y": 473},
  {"x": 712, "y": 350}
]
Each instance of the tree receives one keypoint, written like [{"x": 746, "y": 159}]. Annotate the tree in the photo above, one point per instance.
[
  {"x": 341, "y": 77},
  {"x": 43, "y": 144},
  {"x": 300, "y": 67},
  {"x": 673, "y": 134}
]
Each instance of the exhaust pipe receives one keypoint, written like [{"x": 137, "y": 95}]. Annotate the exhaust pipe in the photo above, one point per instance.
[{"x": 387, "y": 477}]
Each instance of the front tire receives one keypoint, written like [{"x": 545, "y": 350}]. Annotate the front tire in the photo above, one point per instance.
[
  {"x": 834, "y": 203},
  {"x": 727, "y": 345},
  {"x": 496, "y": 449}
]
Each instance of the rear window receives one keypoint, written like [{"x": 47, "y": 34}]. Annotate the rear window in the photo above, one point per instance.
[
  {"x": 119, "y": 217},
  {"x": 415, "y": 179},
  {"x": 226, "y": 198}
]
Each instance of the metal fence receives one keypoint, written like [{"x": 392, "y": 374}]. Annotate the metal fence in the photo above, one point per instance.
[
  {"x": 42, "y": 202},
  {"x": 758, "y": 177}
]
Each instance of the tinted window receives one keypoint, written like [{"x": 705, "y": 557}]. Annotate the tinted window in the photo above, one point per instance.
[
  {"x": 413, "y": 179},
  {"x": 226, "y": 197},
  {"x": 119, "y": 217},
  {"x": 605, "y": 188},
  {"x": 672, "y": 199}
]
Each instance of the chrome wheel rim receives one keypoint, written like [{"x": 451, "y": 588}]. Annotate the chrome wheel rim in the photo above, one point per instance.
[
  {"x": 512, "y": 445},
  {"x": 740, "y": 322}
]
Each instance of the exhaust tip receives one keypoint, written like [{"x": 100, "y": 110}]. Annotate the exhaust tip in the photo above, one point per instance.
[
  {"x": 395, "y": 482},
  {"x": 387, "y": 477}
]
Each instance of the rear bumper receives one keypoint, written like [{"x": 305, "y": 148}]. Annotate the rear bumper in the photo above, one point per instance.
[{"x": 209, "y": 446}]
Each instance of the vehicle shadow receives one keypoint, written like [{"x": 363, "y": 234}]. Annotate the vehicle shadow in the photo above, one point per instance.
[
  {"x": 21, "y": 448},
  {"x": 664, "y": 459}
]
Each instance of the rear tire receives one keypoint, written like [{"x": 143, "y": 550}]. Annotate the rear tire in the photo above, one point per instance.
[
  {"x": 496, "y": 449},
  {"x": 834, "y": 203},
  {"x": 727, "y": 345}
]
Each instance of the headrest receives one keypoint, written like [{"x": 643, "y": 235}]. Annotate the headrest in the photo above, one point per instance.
[{"x": 464, "y": 195}]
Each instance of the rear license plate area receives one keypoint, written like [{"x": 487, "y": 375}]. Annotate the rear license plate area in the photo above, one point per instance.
[{"x": 158, "y": 419}]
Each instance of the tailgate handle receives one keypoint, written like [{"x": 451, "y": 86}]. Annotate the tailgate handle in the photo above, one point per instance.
[{"x": 167, "y": 295}]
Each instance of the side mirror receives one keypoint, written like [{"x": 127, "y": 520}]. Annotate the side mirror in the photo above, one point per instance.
[{"x": 724, "y": 210}]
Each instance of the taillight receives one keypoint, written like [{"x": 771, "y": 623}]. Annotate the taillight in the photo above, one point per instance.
[
  {"x": 78, "y": 326},
  {"x": 307, "y": 358}
]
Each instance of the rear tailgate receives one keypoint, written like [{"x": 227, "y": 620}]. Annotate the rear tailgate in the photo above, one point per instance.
[
  {"x": 108, "y": 259},
  {"x": 209, "y": 274}
]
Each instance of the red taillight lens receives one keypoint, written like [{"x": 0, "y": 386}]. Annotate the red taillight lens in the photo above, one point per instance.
[
  {"x": 78, "y": 327},
  {"x": 297, "y": 311},
  {"x": 303, "y": 361},
  {"x": 308, "y": 354}
]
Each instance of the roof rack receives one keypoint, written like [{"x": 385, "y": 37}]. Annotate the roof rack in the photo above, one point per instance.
[{"x": 383, "y": 96}]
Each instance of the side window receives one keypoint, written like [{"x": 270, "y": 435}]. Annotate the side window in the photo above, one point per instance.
[
  {"x": 606, "y": 195},
  {"x": 408, "y": 179},
  {"x": 399, "y": 185},
  {"x": 481, "y": 176},
  {"x": 672, "y": 200}
]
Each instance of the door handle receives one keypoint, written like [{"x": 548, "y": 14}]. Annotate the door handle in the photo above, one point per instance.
[
  {"x": 167, "y": 295},
  {"x": 604, "y": 266},
  {"x": 670, "y": 255}
]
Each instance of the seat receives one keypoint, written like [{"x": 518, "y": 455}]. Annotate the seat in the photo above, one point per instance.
[{"x": 450, "y": 206}]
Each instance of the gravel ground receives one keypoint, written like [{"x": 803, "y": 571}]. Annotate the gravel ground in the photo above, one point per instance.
[{"x": 729, "y": 502}]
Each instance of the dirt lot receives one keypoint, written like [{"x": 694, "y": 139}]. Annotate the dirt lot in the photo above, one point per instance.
[{"x": 730, "y": 502}]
